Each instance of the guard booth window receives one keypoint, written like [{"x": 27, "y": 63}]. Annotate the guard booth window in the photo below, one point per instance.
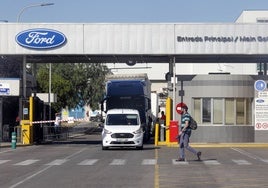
[
  {"x": 206, "y": 110},
  {"x": 240, "y": 111},
  {"x": 248, "y": 112},
  {"x": 223, "y": 111},
  {"x": 218, "y": 111},
  {"x": 197, "y": 110},
  {"x": 229, "y": 112}
]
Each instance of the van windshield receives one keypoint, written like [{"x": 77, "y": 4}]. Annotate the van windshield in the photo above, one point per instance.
[{"x": 122, "y": 119}]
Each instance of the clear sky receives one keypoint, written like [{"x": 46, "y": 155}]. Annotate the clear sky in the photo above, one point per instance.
[{"x": 128, "y": 11}]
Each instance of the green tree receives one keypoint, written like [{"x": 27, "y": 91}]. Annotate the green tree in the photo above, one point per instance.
[{"x": 76, "y": 84}]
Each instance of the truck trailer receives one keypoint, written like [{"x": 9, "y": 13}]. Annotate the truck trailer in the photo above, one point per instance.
[{"x": 130, "y": 91}]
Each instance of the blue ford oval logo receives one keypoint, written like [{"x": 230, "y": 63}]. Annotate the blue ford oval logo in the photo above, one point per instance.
[
  {"x": 40, "y": 38},
  {"x": 260, "y": 101}
]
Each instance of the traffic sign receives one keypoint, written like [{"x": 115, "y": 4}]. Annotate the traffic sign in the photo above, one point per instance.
[
  {"x": 178, "y": 107},
  {"x": 260, "y": 85}
]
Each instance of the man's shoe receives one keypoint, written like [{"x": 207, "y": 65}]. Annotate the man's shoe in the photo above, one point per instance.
[
  {"x": 180, "y": 159},
  {"x": 199, "y": 155}
]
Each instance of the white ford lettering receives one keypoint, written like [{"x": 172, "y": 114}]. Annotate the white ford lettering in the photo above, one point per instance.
[{"x": 39, "y": 38}]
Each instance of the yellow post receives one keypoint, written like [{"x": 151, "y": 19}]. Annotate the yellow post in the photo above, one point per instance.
[
  {"x": 26, "y": 132},
  {"x": 168, "y": 118},
  {"x": 27, "y": 126},
  {"x": 31, "y": 112},
  {"x": 31, "y": 109},
  {"x": 156, "y": 134}
]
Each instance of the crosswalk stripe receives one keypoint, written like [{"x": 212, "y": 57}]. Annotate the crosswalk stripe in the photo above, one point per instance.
[
  {"x": 3, "y": 161},
  {"x": 124, "y": 161},
  {"x": 211, "y": 162},
  {"x": 88, "y": 162},
  {"x": 27, "y": 162},
  {"x": 264, "y": 160},
  {"x": 57, "y": 162},
  {"x": 118, "y": 162},
  {"x": 241, "y": 162},
  {"x": 179, "y": 162},
  {"x": 149, "y": 162}
]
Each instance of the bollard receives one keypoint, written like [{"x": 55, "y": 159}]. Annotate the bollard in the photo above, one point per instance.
[
  {"x": 13, "y": 140},
  {"x": 156, "y": 137}
]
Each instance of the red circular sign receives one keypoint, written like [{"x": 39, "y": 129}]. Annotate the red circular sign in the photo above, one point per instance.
[{"x": 178, "y": 107}]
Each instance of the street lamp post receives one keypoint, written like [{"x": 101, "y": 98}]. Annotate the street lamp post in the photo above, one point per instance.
[
  {"x": 49, "y": 92},
  {"x": 30, "y": 6},
  {"x": 24, "y": 78}
]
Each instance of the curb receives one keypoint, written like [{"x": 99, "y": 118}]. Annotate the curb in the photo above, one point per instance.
[
  {"x": 8, "y": 145},
  {"x": 223, "y": 145}
]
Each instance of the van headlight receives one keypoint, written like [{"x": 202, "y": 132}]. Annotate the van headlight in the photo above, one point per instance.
[
  {"x": 139, "y": 131},
  {"x": 107, "y": 131}
]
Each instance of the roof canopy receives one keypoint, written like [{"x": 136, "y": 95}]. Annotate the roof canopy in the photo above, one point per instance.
[{"x": 121, "y": 43}]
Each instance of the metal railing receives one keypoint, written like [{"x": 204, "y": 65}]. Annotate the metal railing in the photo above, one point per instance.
[{"x": 45, "y": 132}]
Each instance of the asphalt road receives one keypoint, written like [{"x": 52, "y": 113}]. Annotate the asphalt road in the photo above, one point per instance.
[{"x": 82, "y": 163}]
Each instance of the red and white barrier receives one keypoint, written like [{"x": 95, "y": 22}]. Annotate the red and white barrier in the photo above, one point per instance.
[{"x": 64, "y": 120}]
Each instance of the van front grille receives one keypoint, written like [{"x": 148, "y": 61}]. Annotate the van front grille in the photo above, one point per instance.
[{"x": 122, "y": 135}]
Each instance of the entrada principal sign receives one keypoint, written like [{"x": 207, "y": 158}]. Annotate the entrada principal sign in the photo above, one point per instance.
[
  {"x": 40, "y": 38},
  {"x": 223, "y": 39}
]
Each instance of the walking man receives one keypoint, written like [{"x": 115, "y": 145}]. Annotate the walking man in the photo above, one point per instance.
[{"x": 184, "y": 135}]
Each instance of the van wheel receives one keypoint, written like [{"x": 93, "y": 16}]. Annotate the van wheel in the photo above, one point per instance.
[{"x": 104, "y": 148}]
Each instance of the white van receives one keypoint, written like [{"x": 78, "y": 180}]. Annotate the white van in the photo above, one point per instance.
[{"x": 122, "y": 128}]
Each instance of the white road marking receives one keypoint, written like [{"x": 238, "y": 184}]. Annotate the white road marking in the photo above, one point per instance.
[
  {"x": 211, "y": 162},
  {"x": 241, "y": 162},
  {"x": 250, "y": 155},
  {"x": 3, "y": 161},
  {"x": 174, "y": 162},
  {"x": 149, "y": 162},
  {"x": 57, "y": 162},
  {"x": 88, "y": 162},
  {"x": 43, "y": 170},
  {"x": 118, "y": 162},
  {"x": 264, "y": 160},
  {"x": 27, "y": 162}
]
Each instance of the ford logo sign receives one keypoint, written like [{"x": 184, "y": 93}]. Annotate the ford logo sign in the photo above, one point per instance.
[
  {"x": 40, "y": 38},
  {"x": 260, "y": 101}
]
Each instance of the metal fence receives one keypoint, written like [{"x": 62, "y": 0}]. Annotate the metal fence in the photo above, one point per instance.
[{"x": 45, "y": 132}]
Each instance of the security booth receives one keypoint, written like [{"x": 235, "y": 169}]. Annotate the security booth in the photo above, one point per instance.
[{"x": 222, "y": 104}]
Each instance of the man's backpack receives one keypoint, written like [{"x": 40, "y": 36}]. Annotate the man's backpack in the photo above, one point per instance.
[{"x": 193, "y": 124}]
